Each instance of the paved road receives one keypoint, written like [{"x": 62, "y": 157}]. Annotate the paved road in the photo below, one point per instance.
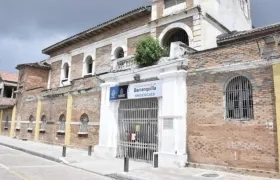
[{"x": 16, "y": 165}]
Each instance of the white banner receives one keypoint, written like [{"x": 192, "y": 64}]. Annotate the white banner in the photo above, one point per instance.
[{"x": 144, "y": 90}]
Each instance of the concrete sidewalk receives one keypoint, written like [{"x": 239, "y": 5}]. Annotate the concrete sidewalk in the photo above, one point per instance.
[{"x": 113, "y": 167}]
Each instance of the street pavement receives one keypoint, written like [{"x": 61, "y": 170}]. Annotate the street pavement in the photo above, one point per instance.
[
  {"x": 78, "y": 165},
  {"x": 16, "y": 165}
]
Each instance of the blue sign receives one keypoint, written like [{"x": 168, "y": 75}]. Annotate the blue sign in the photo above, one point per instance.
[{"x": 118, "y": 92}]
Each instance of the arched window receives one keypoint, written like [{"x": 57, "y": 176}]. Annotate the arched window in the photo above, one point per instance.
[
  {"x": 43, "y": 123},
  {"x": 89, "y": 65},
  {"x": 170, "y": 3},
  {"x": 65, "y": 71},
  {"x": 84, "y": 123},
  {"x": 30, "y": 125},
  {"x": 62, "y": 120},
  {"x": 239, "y": 99},
  {"x": 6, "y": 125},
  {"x": 174, "y": 35},
  {"x": 119, "y": 53}
]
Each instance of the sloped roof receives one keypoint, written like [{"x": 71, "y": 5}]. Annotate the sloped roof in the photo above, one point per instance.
[
  {"x": 36, "y": 65},
  {"x": 11, "y": 77},
  {"x": 241, "y": 34},
  {"x": 97, "y": 29}
]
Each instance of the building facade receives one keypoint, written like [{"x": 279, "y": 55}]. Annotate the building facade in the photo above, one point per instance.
[
  {"x": 212, "y": 101},
  {"x": 8, "y": 87}
]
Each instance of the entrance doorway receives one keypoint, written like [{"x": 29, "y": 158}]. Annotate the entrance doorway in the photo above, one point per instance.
[{"x": 137, "y": 129}]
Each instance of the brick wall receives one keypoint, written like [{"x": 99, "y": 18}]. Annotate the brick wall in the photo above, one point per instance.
[
  {"x": 103, "y": 59},
  {"x": 77, "y": 66},
  {"x": 132, "y": 42},
  {"x": 212, "y": 139},
  {"x": 36, "y": 78},
  {"x": 55, "y": 74}
]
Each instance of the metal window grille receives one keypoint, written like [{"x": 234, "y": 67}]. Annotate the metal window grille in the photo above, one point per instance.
[
  {"x": 239, "y": 99},
  {"x": 170, "y": 3},
  {"x": 62, "y": 120},
  {"x": 176, "y": 35},
  {"x": 30, "y": 125},
  {"x": 43, "y": 123},
  {"x": 137, "y": 129},
  {"x": 6, "y": 125},
  {"x": 84, "y": 123}
]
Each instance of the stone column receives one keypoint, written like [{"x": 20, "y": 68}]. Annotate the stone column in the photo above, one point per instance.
[{"x": 173, "y": 120}]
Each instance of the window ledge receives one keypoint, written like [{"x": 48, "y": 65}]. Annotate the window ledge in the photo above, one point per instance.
[
  {"x": 174, "y": 9},
  {"x": 82, "y": 133},
  {"x": 60, "y": 132},
  {"x": 241, "y": 120},
  {"x": 42, "y": 130},
  {"x": 88, "y": 75},
  {"x": 29, "y": 129},
  {"x": 5, "y": 128},
  {"x": 17, "y": 129}
]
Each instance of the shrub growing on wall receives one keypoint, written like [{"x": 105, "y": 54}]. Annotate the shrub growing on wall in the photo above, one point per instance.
[{"x": 149, "y": 51}]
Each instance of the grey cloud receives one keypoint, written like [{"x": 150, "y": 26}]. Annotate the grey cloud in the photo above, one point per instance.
[{"x": 28, "y": 26}]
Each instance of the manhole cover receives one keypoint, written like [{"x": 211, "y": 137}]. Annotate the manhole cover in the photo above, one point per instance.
[{"x": 210, "y": 175}]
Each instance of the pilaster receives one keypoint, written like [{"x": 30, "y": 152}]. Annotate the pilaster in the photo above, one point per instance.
[
  {"x": 38, "y": 117},
  {"x": 12, "y": 130},
  {"x": 276, "y": 78},
  {"x": 68, "y": 119}
]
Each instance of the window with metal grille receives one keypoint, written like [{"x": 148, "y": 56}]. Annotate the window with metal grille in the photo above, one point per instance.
[
  {"x": 43, "y": 123},
  {"x": 6, "y": 125},
  {"x": 89, "y": 65},
  {"x": 62, "y": 120},
  {"x": 239, "y": 99},
  {"x": 174, "y": 35},
  {"x": 30, "y": 125},
  {"x": 84, "y": 123},
  {"x": 170, "y": 3},
  {"x": 119, "y": 53}
]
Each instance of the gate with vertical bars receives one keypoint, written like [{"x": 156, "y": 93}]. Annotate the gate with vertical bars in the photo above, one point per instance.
[{"x": 137, "y": 129}]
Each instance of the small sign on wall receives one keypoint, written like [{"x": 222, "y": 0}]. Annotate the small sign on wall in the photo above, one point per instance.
[
  {"x": 118, "y": 92},
  {"x": 144, "y": 90},
  {"x": 137, "y": 91}
]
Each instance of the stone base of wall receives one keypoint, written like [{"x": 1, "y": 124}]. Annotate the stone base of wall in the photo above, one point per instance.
[{"x": 253, "y": 172}]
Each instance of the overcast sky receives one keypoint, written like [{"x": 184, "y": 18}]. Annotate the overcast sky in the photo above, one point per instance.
[{"x": 28, "y": 26}]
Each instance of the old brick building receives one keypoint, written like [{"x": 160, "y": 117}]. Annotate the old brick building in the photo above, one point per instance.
[{"x": 211, "y": 102}]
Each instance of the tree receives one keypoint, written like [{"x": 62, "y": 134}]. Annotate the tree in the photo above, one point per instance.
[{"x": 149, "y": 51}]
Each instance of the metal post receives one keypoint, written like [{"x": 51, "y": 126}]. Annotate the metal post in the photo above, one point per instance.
[
  {"x": 64, "y": 151},
  {"x": 126, "y": 164},
  {"x": 89, "y": 150},
  {"x": 155, "y": 160}
]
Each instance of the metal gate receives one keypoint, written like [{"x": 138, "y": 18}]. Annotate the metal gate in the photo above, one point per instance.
[{"x": 137, "y": 136}]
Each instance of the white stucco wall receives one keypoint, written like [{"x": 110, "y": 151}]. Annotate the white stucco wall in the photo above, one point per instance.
[
  {"x": 228, "y": 13},
  {"x": 209, "y": 34}
]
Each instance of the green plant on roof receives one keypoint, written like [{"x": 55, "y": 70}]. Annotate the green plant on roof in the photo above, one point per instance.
[{"x": 149, "y": 51}]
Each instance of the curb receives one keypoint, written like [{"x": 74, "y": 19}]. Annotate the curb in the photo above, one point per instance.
[
  {"x": 33, "y": 153},
  {"x": 117, "y": 176}
]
